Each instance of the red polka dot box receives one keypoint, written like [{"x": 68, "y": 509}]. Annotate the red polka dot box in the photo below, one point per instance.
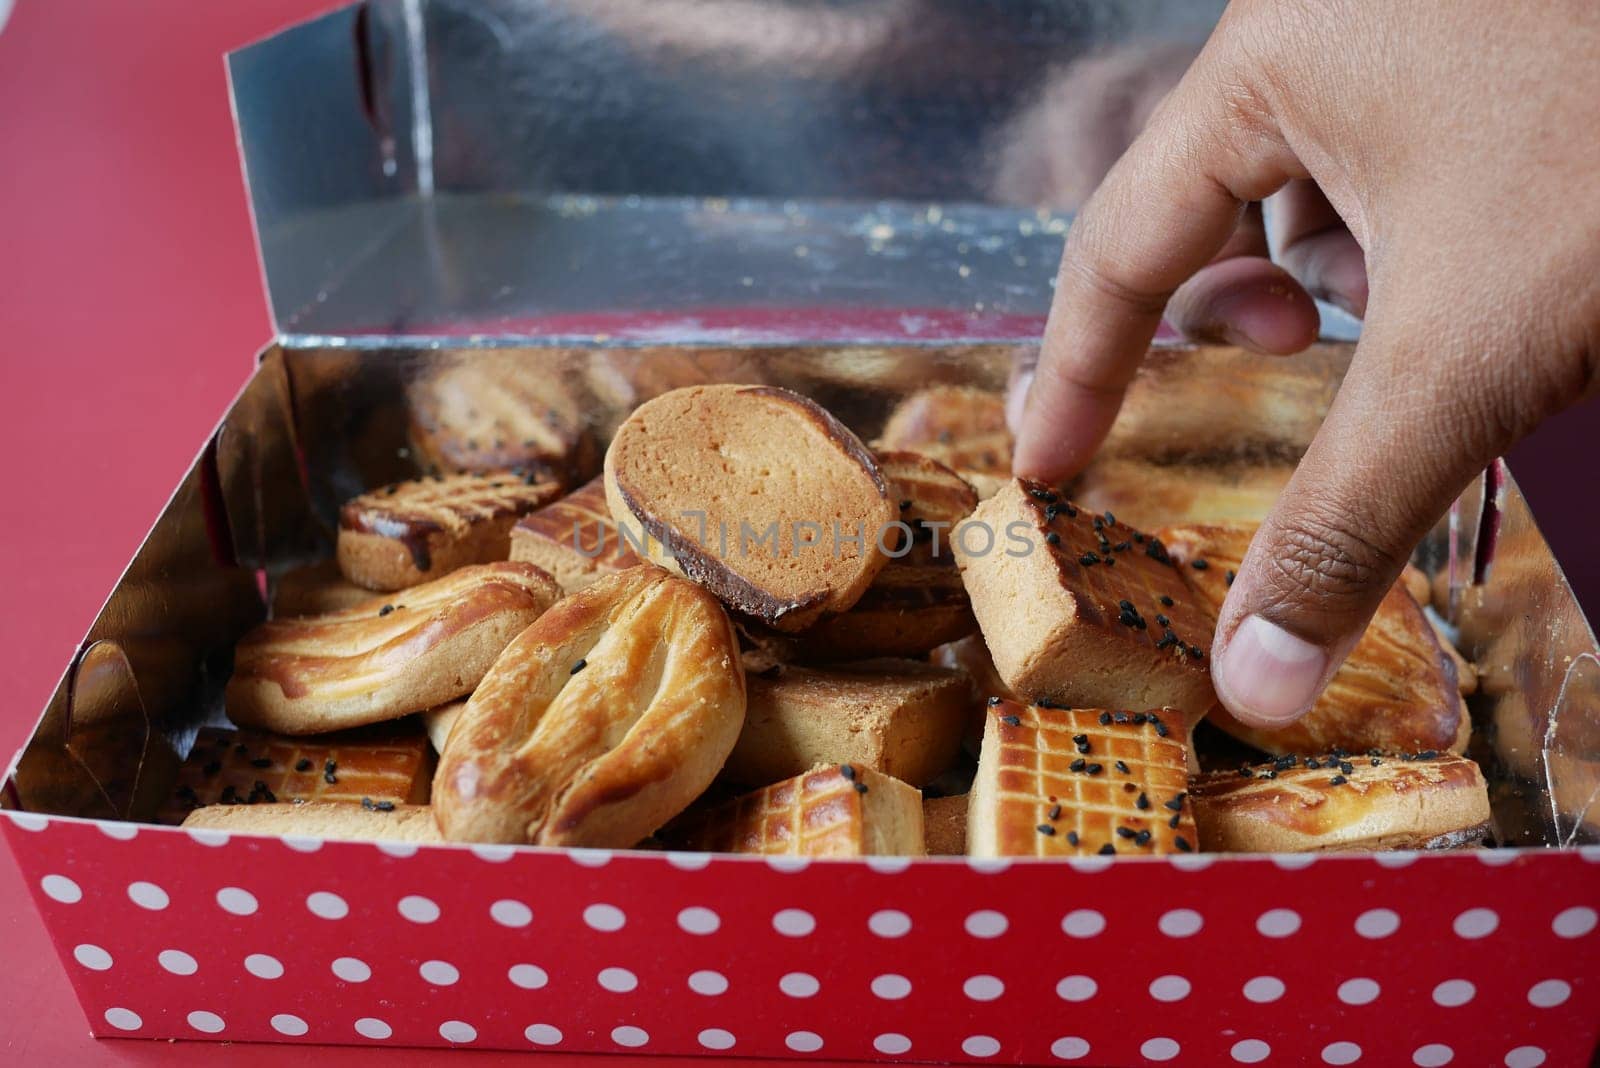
[{"x": 1481, "y": 956}]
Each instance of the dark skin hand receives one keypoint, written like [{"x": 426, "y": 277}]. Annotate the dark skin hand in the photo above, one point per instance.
[{"x": 1433, "y": 168}]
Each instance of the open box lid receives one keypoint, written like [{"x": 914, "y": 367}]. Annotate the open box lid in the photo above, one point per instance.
[{"x": 686, "y": 170}]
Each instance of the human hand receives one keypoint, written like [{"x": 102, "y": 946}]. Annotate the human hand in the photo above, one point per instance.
[{"x": 1434, "y": 168}]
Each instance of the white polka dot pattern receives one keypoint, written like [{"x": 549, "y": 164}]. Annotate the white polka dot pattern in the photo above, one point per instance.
[
  {"x": 458, "y": 1031},
  {"x": 1549, "y": 994},
  {"x": 543, "y": 1034},
  {"x": 246, "y": 940},
  {"x": 892, "y": 1043},
  {"x": 328, "y": 905},
  {"x": 1476, "y": 923},
  {"x": 263, "y": 966},
  {"x": 617, "y": 980},
  {"x": 1264, "y": 989},
  {"x": 980, "y": 1046},
  {"x": 1360, "y": 991},
  {"x": 351, "y": 969},
  {"x": 709, "y": 983},
  {"x": 177, "y": 962},
  {"x": 983, "y": 988},
  {"x": 1083, "y": 923},
  {"x": 418, "y": 909},
  {"x": 1180, "y": 923},
  {"x": 796, "y": 923},
  {"x": 92, "y": 957},
  {"x": 1250, "y": 1051},
  {"x": 1170, "y": 988},
  {"x": 237, "y": 901},
  {"x": 148, "y": 896},
  {"x": 528, "y": 976},
  {"x": 716, "y": 1038},
  {"x": 1339, "y": 1053},
  {"x": 509, "y": 913},
  {"x": 698, "y": 920},
  {"x": 123, "y": 1019},
  {"x": 986, "y": 923},
  {"x": 1076, "y": 988},
  {"x": 1069, "y": 1048},
  {"x": 1574, "y": 922},
  {"x": 631, "y": 1036},
  {"x": 803, "y": 1041},
  {"x": 1159, "y": 1049},
  {"x": 801, "y": 985},
  {"x": 889, "y": 923}
]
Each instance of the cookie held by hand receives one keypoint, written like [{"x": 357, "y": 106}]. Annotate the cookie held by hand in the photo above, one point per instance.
[{"x": 600, "y": 723}]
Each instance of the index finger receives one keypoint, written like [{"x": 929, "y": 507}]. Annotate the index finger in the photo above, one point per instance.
[{"x": 1164, "y": 211}]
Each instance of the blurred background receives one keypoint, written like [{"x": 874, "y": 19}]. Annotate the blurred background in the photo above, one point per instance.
[{"x": 131, "y": 306}]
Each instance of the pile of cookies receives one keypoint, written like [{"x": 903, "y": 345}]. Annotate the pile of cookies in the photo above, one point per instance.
[{"x": 755, "y": 632}]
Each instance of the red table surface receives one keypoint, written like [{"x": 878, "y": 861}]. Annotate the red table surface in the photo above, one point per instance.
[{"x": 130, "y": 308}]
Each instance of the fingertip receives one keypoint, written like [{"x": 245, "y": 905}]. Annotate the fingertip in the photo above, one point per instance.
[
  {"x": 1250, "y": 302},
  {"x": 1266, "y": 676}
]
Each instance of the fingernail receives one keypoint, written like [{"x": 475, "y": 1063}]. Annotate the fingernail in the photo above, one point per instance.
[
  {"x": 1267, "y": 676},
  {"x": 1017, "y": 400}
]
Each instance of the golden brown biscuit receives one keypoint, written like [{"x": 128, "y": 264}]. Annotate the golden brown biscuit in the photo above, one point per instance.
[
  {"x": 1343, "y": 802},
  {"x": 501, "y": 411},
  {"x": 917, "y": 601},
  {"x": 386, "y": 658},
  {"x": 601, "y": 721},
  {"x": 574, "y": 539},
  {"x": 318, "y": 819},
  {"x": 1398, "y": 690},
  {"x": 757, "y": 494},
  {"x": 972, "y": 656},
  {"x": 379, "y": 765},
  {"x": 439, "y": 722},
  {"x": 827, "y": 812},
  {"x": 398, "y": 536},
  {"x": 315, "y": 590},
  {"x": 961, "y": 427},
  {"x": 900, "y": 717},
  {"x": 1082, "y": 609},
  {"x": 1148, "y": 494},
  {"x": 1056, "y": 782},
  {"x": 944, "y": 825}
]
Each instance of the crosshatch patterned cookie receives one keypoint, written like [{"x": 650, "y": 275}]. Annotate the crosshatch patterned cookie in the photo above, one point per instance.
[
  {"x": 410, "y": 532},
  {"x": 501, "y": 411},
  {"x": 1056, "y": 782},
  {"x": 835, "y": 811},
  {"x": 1399, "y": 689},
  {"x": 387, "y": 658},
  {"x": 1081, "y": 609},
  {"x": 1343, "y": 800},
  {"x": 574, "y": 539},
  {"x": 378, "y": 765}
]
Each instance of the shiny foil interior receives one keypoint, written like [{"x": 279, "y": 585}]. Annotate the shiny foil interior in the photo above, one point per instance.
[{"x": 1205, "y": 429}]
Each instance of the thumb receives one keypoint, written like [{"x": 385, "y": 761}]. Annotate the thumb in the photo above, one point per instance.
[{"x": 1385, "y": 465}]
